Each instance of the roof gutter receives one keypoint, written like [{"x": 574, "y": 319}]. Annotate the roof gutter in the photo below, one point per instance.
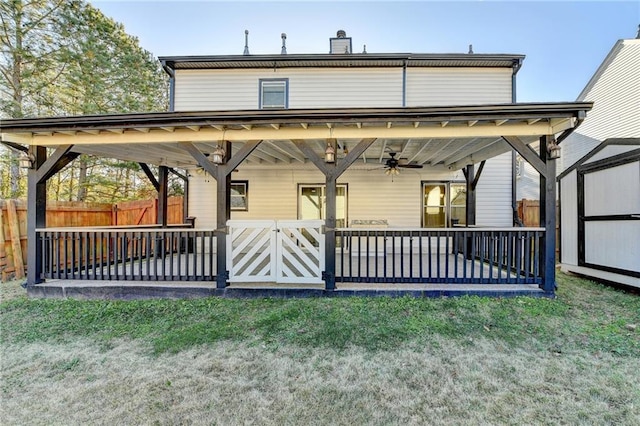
[
  {"x": 172, "y": 83},
  {"x": 581, "y": 117}
]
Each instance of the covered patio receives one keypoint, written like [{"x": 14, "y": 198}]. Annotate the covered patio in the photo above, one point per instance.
[{"x": 459, "y": 260}]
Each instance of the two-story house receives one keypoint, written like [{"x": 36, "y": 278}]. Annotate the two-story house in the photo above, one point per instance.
[{"x": 316, "y": 173}]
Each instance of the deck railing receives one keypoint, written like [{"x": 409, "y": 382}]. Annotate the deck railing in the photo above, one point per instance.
[
  {"x": 457, "y": 255},
  {"x": 146, "y": 254},
  {"x": 452, "y": 255}
]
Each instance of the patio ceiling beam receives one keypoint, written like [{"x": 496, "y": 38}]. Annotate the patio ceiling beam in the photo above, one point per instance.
[
  {"x": 241, "y": 155},
  {"x": 264, "y": 157},
  {"x": 527, "y": 153},
  {"x": 404, "y": 148},
  {"x": 311, "y": 133},
  {"x": 311, "y": 154},
  {"x": 495, "y": 149},
  {"x": 56, "y": 162},
  {"x": 451, "y": 150},
  {"x": 17, "y": 138},
  {"x": 438, "y": 150},
  {"x": 424, "y": 146},
  {"x": 147, "y": 171},
  {"x": 427, "y": 152},
  {"x": 474, "y": 147},
  {"x": 382, "y": 151},
  {"x": 352, "y": 156},
  {"x": 133, "y": 155},
  {"x": 287, "y": 150},
  {"x": 278, "y": 155},
  {"x": 473, "y": 181},
  {"x": 334, "y": 170},
  {"x": 202, "y": 159},
  {"x": 15, "y": 146}
]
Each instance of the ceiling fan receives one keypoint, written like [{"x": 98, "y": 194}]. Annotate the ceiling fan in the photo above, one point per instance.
[{"x": 392, "y": 164}]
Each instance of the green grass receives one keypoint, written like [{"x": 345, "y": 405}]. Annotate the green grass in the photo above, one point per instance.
[
  {"x": 585, "y": 316},
  {"x": 339, "y": 361}
]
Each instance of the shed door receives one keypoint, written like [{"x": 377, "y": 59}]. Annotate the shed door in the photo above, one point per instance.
[{"x": 610, "y": 218}]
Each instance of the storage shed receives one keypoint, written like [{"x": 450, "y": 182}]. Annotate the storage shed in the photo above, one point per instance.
[{"x": 600, "y": 213}]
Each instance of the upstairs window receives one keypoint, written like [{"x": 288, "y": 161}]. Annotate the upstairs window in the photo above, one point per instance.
[{"x": 274, "y": 93}]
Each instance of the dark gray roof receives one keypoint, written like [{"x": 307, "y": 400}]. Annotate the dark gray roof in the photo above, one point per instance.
[
  {"x": 343, "y": 60},
  {"x": 335, "y": 115}
]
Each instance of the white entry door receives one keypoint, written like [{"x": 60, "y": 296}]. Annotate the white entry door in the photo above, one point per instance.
[{"x": 289, "y": 251}]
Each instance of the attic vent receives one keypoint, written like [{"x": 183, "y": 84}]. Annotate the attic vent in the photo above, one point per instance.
[{"x": 341, "y": 44}]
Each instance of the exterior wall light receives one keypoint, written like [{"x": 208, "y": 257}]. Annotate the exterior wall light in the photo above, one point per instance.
[
  {"x": 330, "y": 154},
  {"x": 553, "y": 149},
  {"x": 217, "y": 157},
  {"x": 26, "y": 161}
]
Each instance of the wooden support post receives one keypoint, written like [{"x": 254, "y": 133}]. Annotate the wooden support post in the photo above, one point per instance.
[
  {"x": 223, "y": 214},
  {"x": 332, "y": 172},
  {"x": 222, "y": 175},
  {"x": 330, "y": 233},
  {"x": 471, "y": 196},
  {"x": 547, "y": 260},
  {"x": 185, "y": 202},
  {"x": 470, "y": 207},
  {"x": 36, "y": 216},
  {"x": 163, "y": 206},
  {"x": 16, "y": 247}
]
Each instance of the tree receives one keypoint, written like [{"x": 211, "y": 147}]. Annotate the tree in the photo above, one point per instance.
[
  {"x": 110, "y": 73},
  {"x": 33, "y": 41},
  {"x": 64, "y": 57}
]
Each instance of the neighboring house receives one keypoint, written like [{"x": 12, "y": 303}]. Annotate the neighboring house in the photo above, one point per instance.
[
  {"x": 615, "y": 92},
  {"x": 341, "y": 169},
  {"x": 600, "y": 213}
]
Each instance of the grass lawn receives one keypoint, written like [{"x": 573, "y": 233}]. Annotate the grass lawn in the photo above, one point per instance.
[{"x": 468, "y": 360}]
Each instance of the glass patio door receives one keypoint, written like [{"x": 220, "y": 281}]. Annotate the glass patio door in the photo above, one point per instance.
[{"x": 312, "y": 200}]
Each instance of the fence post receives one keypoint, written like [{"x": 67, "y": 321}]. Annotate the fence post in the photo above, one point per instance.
[
  {"x": 14, "y": 229},
  {"x": 3, "y": 253}
]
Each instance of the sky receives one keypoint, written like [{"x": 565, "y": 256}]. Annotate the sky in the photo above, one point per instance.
[{"x": 564, "y": 41}]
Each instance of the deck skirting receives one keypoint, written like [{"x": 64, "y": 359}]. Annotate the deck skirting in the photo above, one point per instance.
[{"x": 138, "y": 290}]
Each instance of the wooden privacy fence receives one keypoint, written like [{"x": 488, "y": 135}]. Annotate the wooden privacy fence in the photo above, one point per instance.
[
  {"x": 529, "y": 214},
  {"x": 13, "y": 223}
]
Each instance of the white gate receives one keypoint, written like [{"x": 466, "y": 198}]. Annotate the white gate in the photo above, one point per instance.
[{"x": 289, "y": 251}]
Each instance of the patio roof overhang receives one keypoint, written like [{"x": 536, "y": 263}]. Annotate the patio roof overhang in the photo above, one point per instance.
[{"x": 449, "y": 137}]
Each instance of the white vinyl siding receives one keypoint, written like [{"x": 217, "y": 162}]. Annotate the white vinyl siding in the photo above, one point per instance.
[
  {"x": 343, "y": 88},
  {"x": 274, "y": 195},
  {"x": 569, "y": 219},
  {"x": 372, "y": 195},
  {"x": 528, "y": 184},
  {"x": 308, "y": 88},
  {"x": 493, "y": 193},
  {"x": 615, "y": 91},
  {"x": 458, "y": 86},
  {"x": 616, "y": 97}
]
